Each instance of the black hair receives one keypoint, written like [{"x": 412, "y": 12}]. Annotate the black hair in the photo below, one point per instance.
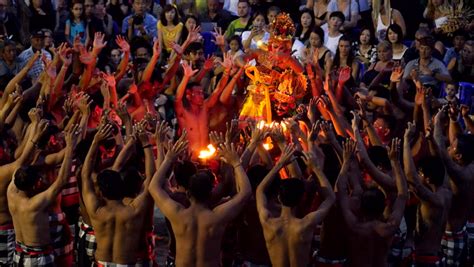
[
  {"x": 166, "y": 9},
  {"x": 291, "y": 192},
  {"x": 256, "y": 174},
  {"x": 184, "y": 31},
  {"x": 379, "y": 156},
  {"x": 256, "y": 14},
  {"x": 465, "y": 147},
  {"x": 350, "y": 57},
  {"x": 319, "y": 32},
  {"x": 201, "y": 185},
  {"x": 83, "y": 15},
  {"x": 390, "y": 120},
  {"x": 372, "y": 202},
  {"x": 236, "y": 38},
  {"x": 396, "y": 29},
  {"x": 133, "y": 181},
  {"x": 299, "y": 28},
  {"x": 338, "y": 14},
  {"x": 193, "y": 47},
  {"x": 183, "y": 172},
  {"x": 371, "y": 31},
  {"x": 380, "y": 91},
  {"x": 26, "y": 177},
  {"x": 111, "y": 185},
  {"x": 432, "y": 168}
]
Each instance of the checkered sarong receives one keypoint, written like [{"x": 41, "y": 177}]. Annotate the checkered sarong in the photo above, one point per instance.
[
  {"x": 110, "y": 264},
  {"x": 470, "y": 240},
  {"x": 453, "y": 245},
  {"x": 86, "y": 232},
  {"x": 27, "y": 256},
  {"x": 7, "y": 244},
  {"x": 321, "y": 261},
  {"x": 61, "y": 237}
]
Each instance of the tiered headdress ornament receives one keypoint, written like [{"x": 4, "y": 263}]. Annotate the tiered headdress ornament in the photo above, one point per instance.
[
  {"x": 291, "y": 88},
  {"x": 282, "y": 29},
  {"x": 459, "y": 16}
]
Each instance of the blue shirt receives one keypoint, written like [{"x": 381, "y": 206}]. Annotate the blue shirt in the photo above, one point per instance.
[{"x": 149, "y": 22}]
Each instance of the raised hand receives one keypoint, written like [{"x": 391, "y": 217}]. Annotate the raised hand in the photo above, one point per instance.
[
  {"x": 464, "y": 110},
  {"x": 453, "y": 111},
  {"x": 286, "y": 155},
  {"x": 312, "y": 110},
  {"x": 14, "y": 98},
  {"x": 394, "y": 149},
  {"x": 220, "y": 39},
  {"x": 277, "y": 135},
  {"x": 68, "y": 105},
  {"x": 310, "y": 159},
  {"x": 104, "y": 132},
  {"x": 328, "y": 130},
  {"x": 178, "y": 148},
  {"x": 72, "y": 136},
  {"x": 226, "y": 63},
  {"x": 349, "y": 148},
  {"x": 109, "y": 78},
  {"x": 122, "y": 112},
  {"x": 410, "y": 131},
  {"x": 188, "y": 69},
  {"x": 83, "y": 103},
  {"x": 355, "y": 120},
  {"x": 123, "y": 44},
  {"x": 86, "y": 57},
  {"x": 194, "y": 34},
  {"x": 65, "y": 54},
  {"x": 161, "y": 132},
  {"x": 178, "y": 49},
  {"x": 228, "y": 154},
  {"x": 35, "y": 114},
  {"x": 397, "y": 74},
  {"x": 216, "y": 138},
  {"x": 344, "y": 75},
  {"x": 141, "y": 132},
  {"x": 209, "y": 63},
  {"x": 232, "y": 130},
  {"x": 40, "y": 131},
  {"x": 99, "y": 43},
  {"x": 157, "y": 48},
  {"x": 314, "y": 132},
  {"x": 33, "y": 59}
]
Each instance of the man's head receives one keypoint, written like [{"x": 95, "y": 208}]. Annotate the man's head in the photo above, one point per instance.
[
  {"x": 383, "y": 125},
  {"x": 282, "y": 108},
  {"x": 243, "y": 9},
  {"x": 467, "y": 53},
  {"x": 48, "y": 38},
  {"x": 419, "y": 35},
  {"x": 139, "y": 7},
  {"x": 89, "y": 8},
  {"x": 272, "y": 12},
  {"x": 426, "y": 47},
  {"x": 195, "y": 94},
  {"x": 183, "y": 171},
  {"x": 431, "y": 170},
  {"x": 111, "y": 185},
  {"x": 291, "y": 192},
  {"x": 9, "y": 53},
  {"x": 256, "y": 174},
  {"x": 37, "y": 40},
  {"x": 194, "y": 53},
  {"x": 201, "y": 185},
  {"x": 133, "y": 181},
  {"x": 372, "y": 203},
  {"x": 451, "y": 89},
  {"x": 462, "y": 149},
  {"x": 379, "y": 156},
  {"x": 459, "y": 39},
  {"x": 213, "y": 6},
  {"x": 29, "y": 180},
  {"x": 336, "y": 19}
]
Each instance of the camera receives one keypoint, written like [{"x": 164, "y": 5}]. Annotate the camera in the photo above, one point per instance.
[{"x": 137, "y": 20}]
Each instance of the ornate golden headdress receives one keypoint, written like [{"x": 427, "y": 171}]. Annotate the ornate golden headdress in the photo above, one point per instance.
[
  {"x": 282, "y": 28},
  {"x": 292, "y": 87},
  {"x": 458, "y": 17}
]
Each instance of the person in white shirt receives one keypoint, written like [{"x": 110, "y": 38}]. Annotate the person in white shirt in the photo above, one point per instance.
[
  {"x": 333, "y": 33},
  {"x": 349, "y": 8},
  {"x": 257, "y": 36}
]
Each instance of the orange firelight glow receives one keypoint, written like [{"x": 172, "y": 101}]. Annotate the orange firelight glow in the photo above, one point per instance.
[{"x": 207, "y": 153}]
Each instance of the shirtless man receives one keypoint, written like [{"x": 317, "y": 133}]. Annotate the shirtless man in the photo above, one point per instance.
[
  {"x": 458, "y": 159},
  {"x": 7, "y": 233},
  {"x": 29, "y": 205},
  {"x": 198, "y": 229},
  {"x": 195, "y": 116},
  {"x": 372, "y": 233},
  {"x": 116, "y": 225},
  {"x": 287, "y": 237},
  {"x": 435, "y": 200}
]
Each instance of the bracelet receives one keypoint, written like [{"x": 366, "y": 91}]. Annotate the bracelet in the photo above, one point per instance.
[
  {"x": 147, "y": 146},
  {"x": 238, "y": 165}
]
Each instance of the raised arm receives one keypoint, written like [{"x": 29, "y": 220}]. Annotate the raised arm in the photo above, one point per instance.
[
  {"x": 66, "y": 57},
  {"x": 123, "y": 65},
  {"x": 260, "y": 194},
  {"x": 167, "y": 205},
  {"x": 214, "y": 98},
  {"x": 325, "y": 189},
  {"x": 411, "y": 173},
  {"x": 230, "y": 209},
  {"x": 227, "y": 93},
  {"x": 45, "y": 198},
  {"x": 91, "y": 200},
  {"x": 147, "y": 73},
  {"x": 398, "y": 207},
  {"x": 188, "y": 73},
  {"x": 140, "y": 202}
]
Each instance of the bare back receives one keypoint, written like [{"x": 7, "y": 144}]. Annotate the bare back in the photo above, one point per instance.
[
  {"x": 288, "y": 241},
  {"x": 117, "y": 229},
  {"x": 5, "y": 217},
  {"x": 198, "y": 235},
  {"x": 31, "y": 224}
]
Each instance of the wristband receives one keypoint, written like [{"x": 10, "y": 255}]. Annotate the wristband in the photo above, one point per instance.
[
  {"x": 238, "y": 165},
  {"x": 147, "y": 146}
]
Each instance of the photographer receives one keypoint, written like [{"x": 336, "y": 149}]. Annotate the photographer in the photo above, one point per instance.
[{"x": 140, "y": 23}]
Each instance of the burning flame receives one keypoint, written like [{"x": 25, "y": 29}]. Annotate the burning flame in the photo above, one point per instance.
[
  {"x": 207, "y": 153},
  {"x": 267, "y": 145}
]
